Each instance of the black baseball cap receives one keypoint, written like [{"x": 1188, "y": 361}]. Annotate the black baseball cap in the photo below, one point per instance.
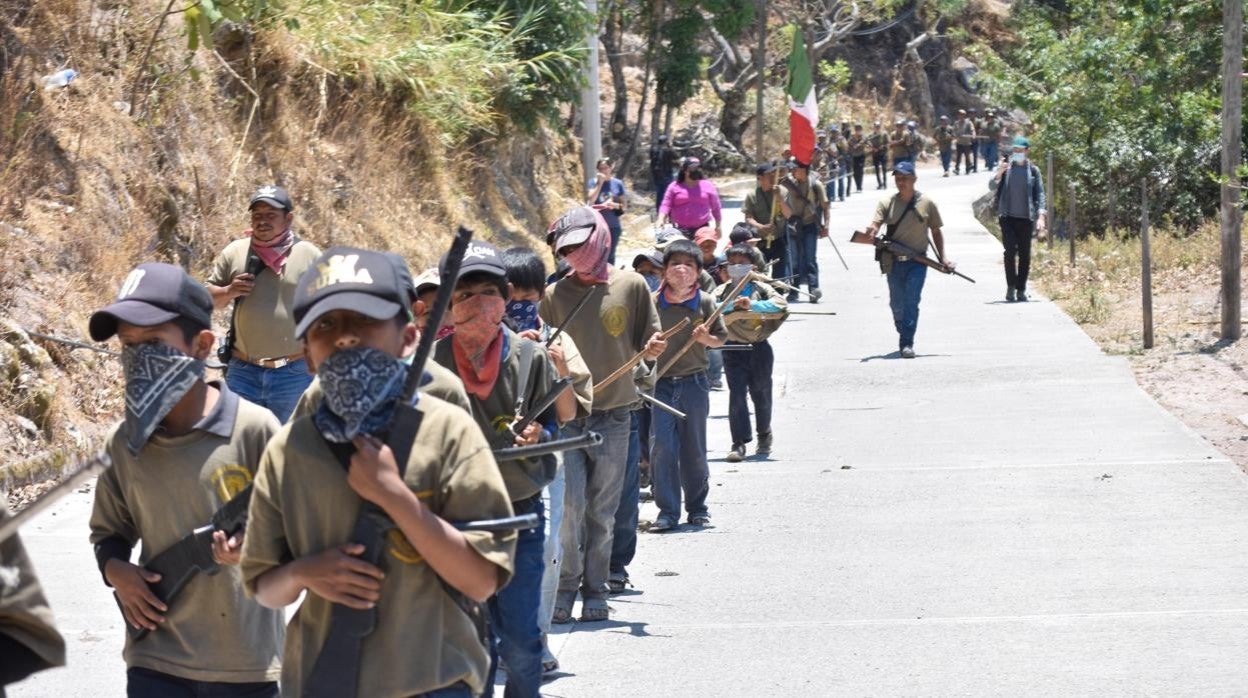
[
  {"x": 572, "y": 228},
  {"x": 763, "y": 168},
  {"x": 479, "y": 257},
  {"x": 742, "y": 233},
  {"x": 350, "y": 278},
  {"x": 153, "y": 294},
  {"x": 650, "y": 254},
  {"x": 272, "y": 195}
]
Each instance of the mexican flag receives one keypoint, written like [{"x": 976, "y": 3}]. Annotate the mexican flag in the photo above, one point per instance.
[{"x": 803, "y": 113}]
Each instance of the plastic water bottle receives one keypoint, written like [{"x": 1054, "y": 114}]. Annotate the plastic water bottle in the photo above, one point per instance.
[{"x": 59, "y": 79}]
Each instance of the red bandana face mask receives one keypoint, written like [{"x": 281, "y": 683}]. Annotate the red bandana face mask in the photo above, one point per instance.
[
  {"x": 680, "y": 281},
  {"x": 590, "y": 259},
  {"x": 477, "y": 343}
]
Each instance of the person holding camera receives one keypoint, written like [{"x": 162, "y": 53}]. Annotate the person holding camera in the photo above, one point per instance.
[
  {"x": 606, "y": 194},
  {"x": 258, "y": 273}
]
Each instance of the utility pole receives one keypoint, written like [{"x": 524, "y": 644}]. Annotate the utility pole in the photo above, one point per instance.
[
  {"x": 760, "y": 65},
  {"x": 1232, "y": 107},
  {"x": 591, "y": 108}
]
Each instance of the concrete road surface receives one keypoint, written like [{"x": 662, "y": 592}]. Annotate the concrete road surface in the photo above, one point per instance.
[{"x": 1008, "y": 514}]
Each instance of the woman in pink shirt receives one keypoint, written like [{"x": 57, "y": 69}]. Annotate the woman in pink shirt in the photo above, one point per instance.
[{"x": 691, "y": 201}]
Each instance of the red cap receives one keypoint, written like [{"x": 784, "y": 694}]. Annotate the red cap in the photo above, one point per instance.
[{"x": 705, "y": 233}]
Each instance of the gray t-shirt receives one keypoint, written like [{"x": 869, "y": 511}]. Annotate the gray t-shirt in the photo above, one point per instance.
[{"x": 1017, "y": 197}]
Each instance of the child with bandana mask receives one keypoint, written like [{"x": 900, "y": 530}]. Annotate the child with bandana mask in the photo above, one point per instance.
[
  {"x": 500, "y": 369},
  {"x": 351, "y": 313},
  {"x": 749, "y": 372},
  {"x": 185, "y": 448},
  {"x": 526, "y": 273},
  {"x": 678, "y": 447}
]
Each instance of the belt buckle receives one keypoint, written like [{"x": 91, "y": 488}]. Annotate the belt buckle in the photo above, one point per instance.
[{"x": 274, "y": 363}]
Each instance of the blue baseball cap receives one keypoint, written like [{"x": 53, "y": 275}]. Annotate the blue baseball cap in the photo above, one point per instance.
[{"x": 905, "y": 167}]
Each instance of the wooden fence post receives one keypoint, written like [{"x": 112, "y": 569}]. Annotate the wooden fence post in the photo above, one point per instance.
[
  {"x": 1049, "y": 221},
  {"x": 1146, "y": 267},
  {"x": 1071, "y": 228}
]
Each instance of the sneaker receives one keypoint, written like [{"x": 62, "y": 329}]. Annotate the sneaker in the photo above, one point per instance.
[
  {"x": 946, "y": 174},
  {"x": 792, "y": 298},
  {"x": 737, "y": 454},
  {"x": 815, "y": 295},
  {"x": 700, "y": 519},
  {"x": 617, "y": 582},
  {"x": 764, "y": 444},
  {"x": 1021, "y": 297},
  {"x": 662, "y": 524},
  {"x": 907, "y": 352},
  {"x": 1009, "y": 296}
]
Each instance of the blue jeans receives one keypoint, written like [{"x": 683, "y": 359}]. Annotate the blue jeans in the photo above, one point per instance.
[
  {"x": 779, "y": 251},
  {"x": 278, "y": 389},
  {"x": 990, "y": 155},
  {"x": 624, "y": 538},
  {"x": 749, "y": 378},
  {"x": 613, "y": 224},
  {"x": 905, "y": 290},
  {"x": 148, "y": 683},
  {"x": 594, "y": 478},
  {"x": 946, "y": 159},
  {"x": 678, "y": 447},
  {"x": 553, "y": 559},
  {"x": 514, "y": 632},
  {"x": 803, "y": 244}
]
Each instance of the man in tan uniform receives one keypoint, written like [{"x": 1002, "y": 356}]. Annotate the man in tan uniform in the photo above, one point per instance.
[
  {"x": 258, "y": 273},
  {"x": 351, "y": 313},
  {"x": 908, "y": 216}
]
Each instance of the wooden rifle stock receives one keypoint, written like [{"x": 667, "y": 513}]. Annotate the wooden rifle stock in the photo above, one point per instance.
[
  {"x": 637, "y": 358},
  {"x": 897, "y": 248}
]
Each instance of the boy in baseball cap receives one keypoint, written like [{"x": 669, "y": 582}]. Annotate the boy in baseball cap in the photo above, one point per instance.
[
  {"x": 352, "y": 315},
  {"x": 185, "y": 448},
  {"x": 506, "y": 375}
]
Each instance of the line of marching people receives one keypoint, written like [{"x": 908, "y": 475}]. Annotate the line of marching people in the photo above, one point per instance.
[{"x": 383, "y": 509}]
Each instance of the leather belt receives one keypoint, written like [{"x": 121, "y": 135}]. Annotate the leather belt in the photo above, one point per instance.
[
  {"x": 273, "y": 362},
  {"x": 901, "y": 258},
  {"x": 526, "y": 505}
]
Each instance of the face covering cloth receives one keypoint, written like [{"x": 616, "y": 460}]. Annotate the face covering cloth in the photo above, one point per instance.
[
  {"x": 158, "y": 376},
  {"x": 524, "y": 314},
  {"x": 590, "y": 259},
  {"x": 361, "y": 387},
  {"x": 274, "y": 252},
  {"x": 478, "y": 342}
]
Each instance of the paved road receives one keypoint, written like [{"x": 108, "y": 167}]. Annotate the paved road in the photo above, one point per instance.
[{"x": 1007, "y": 514}]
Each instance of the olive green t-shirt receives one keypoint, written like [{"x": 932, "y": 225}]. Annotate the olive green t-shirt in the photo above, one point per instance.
[
  {"x": 878, "y": 142},
  {"x": 613, "y": 326},
  {"x": 857, "y": 145},
  {"x": 582, "y": 381},
  {"x": 24, "y": 613},
  {"x": 442, "y": 384},
  {"x": 212, "y": 632},
  {"x": 912, "y": 230},
  {"x": 496, "y": 413},
  {"x": 265, "y": 324},
  {"x": 760, "y": 206},
  {"x": 302, "y": 505},
  {"x": 965, "y": 131},
  {"x": 695, "y": 359},
  {"x": 806, "y": 202},
  {"x": 944, "y": 136}
]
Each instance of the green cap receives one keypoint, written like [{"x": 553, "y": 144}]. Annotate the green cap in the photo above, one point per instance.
[{"x": 1021, "y": 142}]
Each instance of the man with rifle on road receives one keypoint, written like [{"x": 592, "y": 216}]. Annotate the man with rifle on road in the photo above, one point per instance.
[
  {"x": 908, "y": 216},
  {"x": 324, "y": 473},
  {"x": 186, "y": 449}
]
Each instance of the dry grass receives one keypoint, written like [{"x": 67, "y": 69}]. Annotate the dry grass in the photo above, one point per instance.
[{"x": 87, "y": 191}]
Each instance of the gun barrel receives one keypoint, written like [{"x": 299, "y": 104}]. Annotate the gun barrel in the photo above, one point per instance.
[
  {"x": 589, "y": 438},
  {"x": 522, "y": 522}
]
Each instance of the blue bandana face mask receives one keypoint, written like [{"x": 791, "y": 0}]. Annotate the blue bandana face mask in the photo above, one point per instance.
[
  {"x": 158, "y": 376},
  {"x": 524, "y": 314},
  {"x": 362, "y": 387}
]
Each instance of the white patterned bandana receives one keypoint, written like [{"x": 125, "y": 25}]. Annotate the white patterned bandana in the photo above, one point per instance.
[
  {"x": 361, "y": 387},
  {"x": 157, "y": 377}
]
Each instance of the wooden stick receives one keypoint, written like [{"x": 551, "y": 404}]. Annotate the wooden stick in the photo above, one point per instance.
[
  {"x": 780, "y": 285},
  {"x": 732, "y": 296},
  {"x": 637, "y": 358}
]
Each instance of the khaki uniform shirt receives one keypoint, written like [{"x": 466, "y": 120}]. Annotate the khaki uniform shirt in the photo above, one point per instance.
[
  {"x": 966, "y": 131},
  {"x": 614, "y": 325},
  {"x": 760, "y": 205},
  {"x": 694, "y": 360},
  {"x": 857, "y": 145},
  {"x": 752, "y": 329},
  {"x": 265, "y": 324},
  {"x": 443, "y": 384},
  {"x": 912, "y": 230},
  {"x": 899, "y": 145},
  {"x": 582, "y": 381},
  {"x": 213, "y": 632},
  {"x": 807, "y": 201},
  {"x": 878, "y": 142},
  {"x": 423, "y": 640},
  {"x": 944, "y": 137},
  {"x": 496, "y": 413},
  {"x": 24, "y": 613}
]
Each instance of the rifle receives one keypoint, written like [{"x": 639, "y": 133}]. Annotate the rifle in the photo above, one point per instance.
[
  {"x": 898, "y": 249},
  {"x": 637, "y": 358},
  {"x": 336, "y": 670},
  {"x": 89, "y": 468},
  {"x": 541, "y": 405},
  {"x": 589, "y": 438},
  {"x": 568, "y": 320},
  {"x": 732, "y": 297},
  {"x": 179, "y": 563},
  {"x": 778, "y": 284}
]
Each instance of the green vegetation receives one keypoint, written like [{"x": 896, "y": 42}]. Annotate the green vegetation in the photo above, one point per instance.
[{"x": 1120, "y": 91}]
